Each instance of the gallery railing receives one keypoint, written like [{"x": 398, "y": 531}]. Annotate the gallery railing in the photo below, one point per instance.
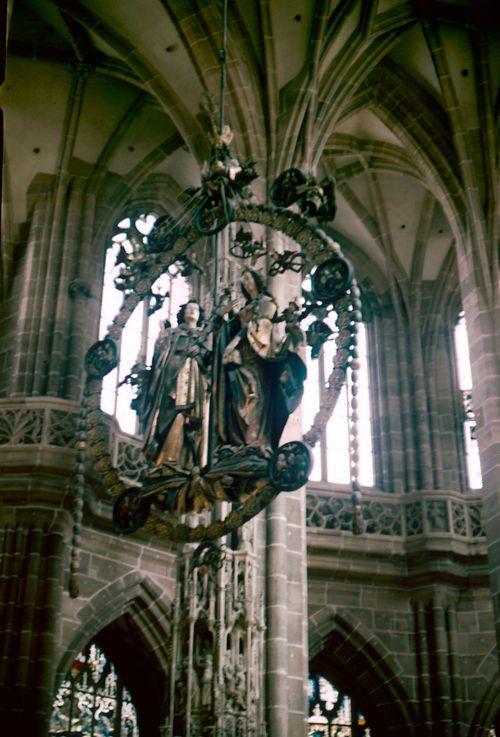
[{"x": 48, "y": 422}]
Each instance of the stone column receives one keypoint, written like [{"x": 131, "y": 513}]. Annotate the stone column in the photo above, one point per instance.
[
  {"x": 482, "y": 316},
  {"x": 276, "y": 619},
  {"x": 399, "y": 460},
  {"x": 446, "y": 413},
  {"x": 31, "y": 584},
  {"x": 286, "y": 619},
  {"x": 422, "y": 657},
  {"x": 286, "y": 581},
  {"x": 441, "y": 697},
  {"x": 17, "y": 328}
]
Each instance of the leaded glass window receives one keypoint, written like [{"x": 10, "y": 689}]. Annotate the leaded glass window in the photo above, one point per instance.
[
  {"x": 93, "y": 701},
  {"x": 331, "y": 455},
  {"x": 169, "y": 291},
  {"x": 464, "y": 374},
  {"x": 332, "y": 713}
]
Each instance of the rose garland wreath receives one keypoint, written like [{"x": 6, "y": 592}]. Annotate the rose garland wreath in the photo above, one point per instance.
[{"x": 319, "y": 250}]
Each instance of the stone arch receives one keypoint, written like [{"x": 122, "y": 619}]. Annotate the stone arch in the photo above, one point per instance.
[
  {"x": 339, "y": 646},
  {"x": 187, "y": 124},
  {"x": 159, "y": 192},
  {"x": 130, "y": 620}
]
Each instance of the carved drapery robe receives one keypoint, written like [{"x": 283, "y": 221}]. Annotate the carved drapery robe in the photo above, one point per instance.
[
  {"x": 261, "y": 377},
  {"x": 173, "y": 402}
]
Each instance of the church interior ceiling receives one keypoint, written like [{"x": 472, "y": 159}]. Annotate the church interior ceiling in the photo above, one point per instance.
[{"x": 362, "y": 91}]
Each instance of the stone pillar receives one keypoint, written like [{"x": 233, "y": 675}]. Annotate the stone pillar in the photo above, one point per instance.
[
  {"x": 397, "y": 460},
  {"x": 441, "y": 682},
  {"x": 17, "y": 329},
  {"x": 39, "y": 306},
  {"x": 438, "y": 686},
  {"x": 276, "y": 619},
  {"x": 286, "y": 581},
  {"x": 482, "y": 316},
  {"x": 31, "y": 584},
  {"x": 446, "y": 413},
  {"x": 298, "y": 650},
  {"x": 286, "y": 619},
  {"x": 422, "y": 667},
  {"x": 418, "y": 434}
]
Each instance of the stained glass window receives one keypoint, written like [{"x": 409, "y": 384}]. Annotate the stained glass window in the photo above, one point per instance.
[
  {"x": 93, "y": 701},
  {"x": 169, "y": 291},
  {"x": 333, "y": 714},
  {"x": 331, "y": 456},
  {"x": 464, "y": 373}
]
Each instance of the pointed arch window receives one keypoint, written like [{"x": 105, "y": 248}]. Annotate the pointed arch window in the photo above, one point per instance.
[
  {"x": 464, "y": 375},
  {"x": 332, "y": 713},
  {"x": 331, "y": 455},
  {"x": 93, "y": 701},
  {"x": 169, "y": 291}
]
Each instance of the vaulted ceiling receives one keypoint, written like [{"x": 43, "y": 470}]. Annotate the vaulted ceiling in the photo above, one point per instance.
[{"x": 397, "y": 100}]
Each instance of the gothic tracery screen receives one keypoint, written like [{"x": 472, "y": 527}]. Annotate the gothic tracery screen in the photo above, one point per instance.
[
  {"x": 169, "y": 291},
  {"x": 92, "y": 701}
]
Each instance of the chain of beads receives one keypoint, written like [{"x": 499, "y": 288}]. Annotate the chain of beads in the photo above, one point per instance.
[
  {"x": 340, "y": 363},
  {"x": 356, "y": 318},
  {"x": 77, "y": 512}
]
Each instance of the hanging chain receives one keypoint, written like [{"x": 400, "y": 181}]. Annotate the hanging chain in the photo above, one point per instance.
[
  {"x": 78, "y": 502},
  {"x": 352, "y": 400},
  {"x": 222, "y": 61}
]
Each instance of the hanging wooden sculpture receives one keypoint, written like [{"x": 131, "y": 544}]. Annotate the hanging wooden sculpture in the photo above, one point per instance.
[{"x": 247, "y": 360}]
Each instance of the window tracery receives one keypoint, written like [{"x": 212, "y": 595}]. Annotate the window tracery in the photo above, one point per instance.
[
  {"x": 93, "y": 701},
  {"x": 331, "y": 455},
  {"x": 169, "y": 291},
  {"x": 332, "y": 713},
  {"x": 464, "y": 375}
]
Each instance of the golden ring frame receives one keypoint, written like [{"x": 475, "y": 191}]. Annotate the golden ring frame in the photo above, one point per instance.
[{"x": 317, "y": 246}]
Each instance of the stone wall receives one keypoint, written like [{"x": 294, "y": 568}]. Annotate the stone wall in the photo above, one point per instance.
[
  {"x": 399, "y": 616},
  {"x": 396, "y": 623}
]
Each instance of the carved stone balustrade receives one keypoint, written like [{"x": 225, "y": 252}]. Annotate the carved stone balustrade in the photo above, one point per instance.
[
  {"x": 440, "y": 513},
  {"x": 419, "y": 538},
  {"x": 37, "y": 440},
  {"x": 38, "y": 435}
]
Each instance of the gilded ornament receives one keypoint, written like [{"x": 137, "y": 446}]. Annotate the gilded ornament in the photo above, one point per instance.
[
  {"x": 99, "y": 449},
  {"x": 242, "y": 355},
  {"x": 103, "y": 463}
]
